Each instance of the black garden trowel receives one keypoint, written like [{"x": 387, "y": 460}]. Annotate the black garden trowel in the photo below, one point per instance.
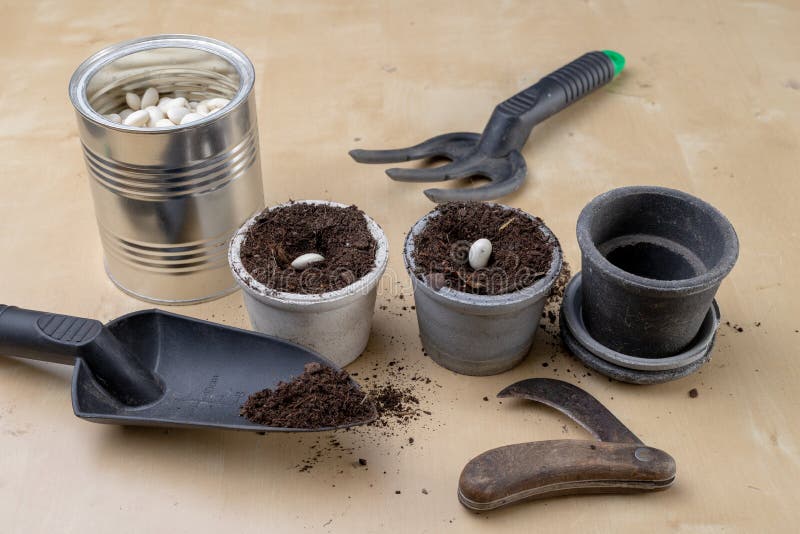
[{"x": 155, "y": 368}]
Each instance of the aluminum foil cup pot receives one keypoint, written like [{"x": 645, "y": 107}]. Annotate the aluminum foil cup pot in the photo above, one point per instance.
[
  {"x": 478, "y": 334},
  {"x": 168, "y": 200},
  {"x": 335, "y": 324}
]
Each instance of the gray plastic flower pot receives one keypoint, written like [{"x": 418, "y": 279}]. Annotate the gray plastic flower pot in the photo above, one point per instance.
[
  {"x": 652, "y": 261},
  {"x": 478, "y": 334},
  {"x": 335, "y": 324}
]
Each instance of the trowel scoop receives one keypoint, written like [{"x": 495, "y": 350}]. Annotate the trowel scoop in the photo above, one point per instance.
[{"x": 155, "y": 368}]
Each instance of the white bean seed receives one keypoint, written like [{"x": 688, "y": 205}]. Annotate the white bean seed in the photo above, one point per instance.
[
  {"x": 149, "y": 98},
  {"x": 176, "y": 113},
  {"x": 137, "y": 118},
  {"x": 133, "y": 101},
  {"x": 162, "y": 110},
  {"x": 163, "y": 103},
  {"x": 155, "y": 115},
  {"x": 216, "y": 103},
  {"x": 301, "y": 262},
  {"x": 479, "y": 253},
  {"x": 179, "y": 102},
  {"x": 190, "y": 117}
]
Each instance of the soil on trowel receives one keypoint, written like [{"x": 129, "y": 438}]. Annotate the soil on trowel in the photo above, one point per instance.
[
  {"x": 320, "y": 397},
  {"x": 402, "y": 394},
  {"x": 279, "y": 236},
  {"x": 521, "y": 252}
]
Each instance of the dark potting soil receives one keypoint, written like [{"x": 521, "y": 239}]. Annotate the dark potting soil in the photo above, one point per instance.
[
  {"x": 394, "y": 401},
  {"x": 317, "y": 398},
  {"x": 281, "y": 235},
  {"x": 521, "y": 253}
]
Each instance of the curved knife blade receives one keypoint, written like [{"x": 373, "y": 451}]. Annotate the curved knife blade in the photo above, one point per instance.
[{"x": 575, "y": 403}]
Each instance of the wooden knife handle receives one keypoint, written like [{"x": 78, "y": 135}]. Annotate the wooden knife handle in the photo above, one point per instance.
[{"x": 561, "y": 467}]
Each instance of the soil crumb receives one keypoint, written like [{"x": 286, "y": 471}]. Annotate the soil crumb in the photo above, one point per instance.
[
  {"x": 735, "y": 327},
  {"x": 320, "y": 397},
  {"x": 280, "y": 236},
  {"x": 394, "y": 401},
  {"x": 521, "y": 252}
]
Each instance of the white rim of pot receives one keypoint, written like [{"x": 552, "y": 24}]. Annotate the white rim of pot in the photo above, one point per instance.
[
  {"x": 534, "y": 291},
  {"x": 362, "y": 285}
]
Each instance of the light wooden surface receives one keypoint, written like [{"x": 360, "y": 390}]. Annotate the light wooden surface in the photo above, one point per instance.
[{"x": 709, "y": 103}]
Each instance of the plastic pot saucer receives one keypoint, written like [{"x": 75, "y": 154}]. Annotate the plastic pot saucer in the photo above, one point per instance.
[{"x": 624, "y": 367}]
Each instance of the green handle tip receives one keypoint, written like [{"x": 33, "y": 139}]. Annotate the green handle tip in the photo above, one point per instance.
[{"x": 617, "y": 59}]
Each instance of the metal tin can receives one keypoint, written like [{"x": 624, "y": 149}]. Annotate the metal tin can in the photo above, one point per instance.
[{"x": 168, "y": 200}]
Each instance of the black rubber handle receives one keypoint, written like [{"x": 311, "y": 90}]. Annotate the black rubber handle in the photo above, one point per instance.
[
  {"x": 512, "y": 120},
  {"x": 62, "y": 339},
  {"x": 44, "y": 336}
]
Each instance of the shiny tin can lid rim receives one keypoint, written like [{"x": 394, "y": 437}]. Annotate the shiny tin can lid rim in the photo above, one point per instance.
[{"x": 86, "y": 70}]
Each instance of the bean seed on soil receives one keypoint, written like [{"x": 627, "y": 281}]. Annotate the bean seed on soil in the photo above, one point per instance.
[
  {"x": 302, "y": 262},
  {"x": 280, "y": 235},
  {"x": 479, "y": 253},
  {"x": 521, "y": 251}
]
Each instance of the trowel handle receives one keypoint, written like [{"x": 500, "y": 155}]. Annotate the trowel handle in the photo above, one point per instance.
[
  {"x": 56, "y": 338},
  {"x": 512, "y": 121},
  {"x": 44, "y": 336},
  {"x": 562, "y": 467}
]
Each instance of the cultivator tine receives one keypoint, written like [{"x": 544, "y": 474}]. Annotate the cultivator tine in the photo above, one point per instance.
[
  {"x": 451, "y": 171},
  {"x": 506, "y": 175},
  {"x": 448, "y": 145}
]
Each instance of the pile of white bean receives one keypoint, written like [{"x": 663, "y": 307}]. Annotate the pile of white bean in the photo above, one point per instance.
[{"x": 150, "y": 110}]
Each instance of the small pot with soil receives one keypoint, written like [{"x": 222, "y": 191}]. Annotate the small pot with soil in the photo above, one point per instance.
[
  {"x": 481, "y": 274},
  {"x": 310, "y": 271},
  {"x": 642, "y": 309}
]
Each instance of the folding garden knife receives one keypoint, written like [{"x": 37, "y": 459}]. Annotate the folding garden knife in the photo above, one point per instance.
[{"x": 618, "y": 463}]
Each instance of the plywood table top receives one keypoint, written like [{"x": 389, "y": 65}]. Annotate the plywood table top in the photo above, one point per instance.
[{"x": 709, "y": 103}]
